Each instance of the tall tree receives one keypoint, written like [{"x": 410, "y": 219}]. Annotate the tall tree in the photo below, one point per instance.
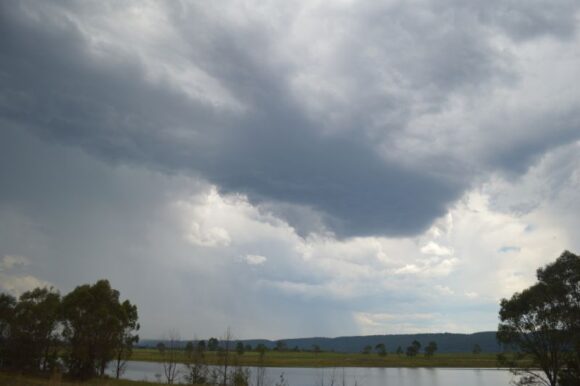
[
  {"x": 94, "y": 323},
  {"x": 32, "y": 343},
  {"x": 542, "y": 323},
  {"x": 126, "y": 339},
  {"x": 7, "y": 304}
]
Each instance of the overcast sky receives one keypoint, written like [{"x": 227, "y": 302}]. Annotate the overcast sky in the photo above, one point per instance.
[{"x": 290, "y": 168}]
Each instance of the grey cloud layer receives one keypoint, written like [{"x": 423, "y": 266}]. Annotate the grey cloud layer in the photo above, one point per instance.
[{"x": 316, "y": 108}]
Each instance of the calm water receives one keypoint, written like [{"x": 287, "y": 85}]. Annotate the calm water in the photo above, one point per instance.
[{"x": 362, "y": 376}]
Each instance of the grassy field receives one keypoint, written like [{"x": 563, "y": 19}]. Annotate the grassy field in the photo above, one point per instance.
[
  {"x": 19, "y": 380},
  {"x": 329, "y": 359}
]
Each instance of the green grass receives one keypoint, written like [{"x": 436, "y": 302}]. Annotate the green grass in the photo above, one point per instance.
[
  {"x": 330, "y": 359},
  {"x": 7, "y": 379}
]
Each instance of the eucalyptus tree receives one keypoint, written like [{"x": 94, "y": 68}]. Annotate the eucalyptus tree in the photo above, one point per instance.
[
  {"x": 31, "y": 339},
  {"x": 7, "y": 304},
  {"x": 542, "y": 324},
  {"x": 95, "y": 323}
]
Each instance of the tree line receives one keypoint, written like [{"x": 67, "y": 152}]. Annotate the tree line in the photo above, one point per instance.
[
  {"x": 79, "y": 333},
  {"x": 196, "y": 371},
  {"x": 412, "y": 350}
]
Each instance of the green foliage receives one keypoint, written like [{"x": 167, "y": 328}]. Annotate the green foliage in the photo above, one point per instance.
[
  {"x": 281, "y": 346},
  {"x": 29, "y": 332},
  {"x": 413, "y": 349},
  {"x": 189, "y": 349},
  {"x": 240, "y": 377},
  {"x": 399, "y": 351},
  {"x": 367, "y": 349},
  {"x": 95, "y": 323},
  {"x": 430, "y": 349},
  {"x": 212, "y": 344},
  {"x": 89, "y": 326},
  {"x": 381, "y": 349},
  {"x": 336, "y": 359},
  {"x": 261, "y": 350},
  {"x": 476, "y": 349},
  {"x": 240, "y": 349},
  {"x": 197, "y": 370},
  {"x": 543, "y": 323},
  {"x": 7, "y": 304}
]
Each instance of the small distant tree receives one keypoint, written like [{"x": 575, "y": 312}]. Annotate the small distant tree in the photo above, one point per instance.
[
  {"x": 381, "y": 349},
  {"x": 212, "y": 344},
  {"x": 240, "y": 349},
  {"x": 201, "y": 346},
  {"x": 316, "y": 349},
  {"x": 261, "y": 350},
  {"x": 367, "y": 349},
  {"x": 248, "y": 347},
  {"x": 189, "y": 349},
  {"x": 399, "y": 351},
  {"x": 414, "y": 348},
  {"x": 476, "y": 349},
  {"x": 430, "y": 349},
  {"x": 281, "y": 346}
]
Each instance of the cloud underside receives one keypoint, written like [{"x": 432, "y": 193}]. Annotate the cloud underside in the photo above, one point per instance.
[
  {"x": 177, "y": 246},
  {"x": 378, "y": 142},
  {"x": 382, "y": 167}
]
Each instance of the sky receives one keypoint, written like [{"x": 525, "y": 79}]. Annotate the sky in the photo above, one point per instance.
[{"x": 290, "y": 168}]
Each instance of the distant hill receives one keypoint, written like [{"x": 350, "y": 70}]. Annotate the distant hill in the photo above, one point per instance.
[{"x": 446, "y": 342}]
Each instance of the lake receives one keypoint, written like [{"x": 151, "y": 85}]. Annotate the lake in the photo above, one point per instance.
[{"x": 359, "y": 376}]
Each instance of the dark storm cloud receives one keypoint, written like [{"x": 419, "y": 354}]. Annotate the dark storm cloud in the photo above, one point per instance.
[
  {"x": 271, "y": 149},
  {"x": 524, "y": 20}
]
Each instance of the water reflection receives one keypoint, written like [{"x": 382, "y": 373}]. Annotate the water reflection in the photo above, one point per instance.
[{"x": 352, "y": 376}]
